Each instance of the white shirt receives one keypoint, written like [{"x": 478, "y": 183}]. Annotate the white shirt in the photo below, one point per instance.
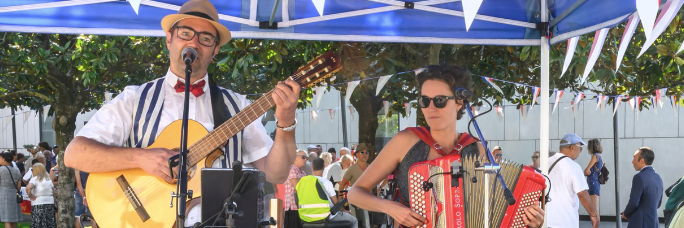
[
  {"x": 14, "y": 164},
  {"x": 567, "y": 179},
  {"x": 28, "y": 175},
  {"x": 334, "y": 170},
  {"x": 111, "y": 125},
  {"x": 42, "y": 190},
  {"x": 328, "y": 187}
]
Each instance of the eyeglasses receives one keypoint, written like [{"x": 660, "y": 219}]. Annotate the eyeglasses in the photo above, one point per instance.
[
  {"x": 187, "y": 33},
  {"x": 440, "y": 101},
  {"x": 363, "y": 152},
  {"x": 304, "y": 157},
  {"x": 498, "y": 155},
  {"x": 535, "y": 157},
  {"x": 581, "y": 147}
]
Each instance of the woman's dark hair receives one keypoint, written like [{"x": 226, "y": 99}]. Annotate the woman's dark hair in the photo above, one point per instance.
[
  {"x": 7, "y": 156},
  {"x": 331, "y": 150},
  {"x": 45, "y": 145},
  {"x": 454, "y": 76},
  {"x": 594, "y": 146}
]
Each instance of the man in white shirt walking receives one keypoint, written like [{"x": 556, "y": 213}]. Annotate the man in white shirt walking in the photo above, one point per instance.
[{"x": 569, "y": 186}]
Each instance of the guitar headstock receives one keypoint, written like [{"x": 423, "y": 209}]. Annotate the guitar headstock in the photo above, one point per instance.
[{"x": 318, "y": 69}]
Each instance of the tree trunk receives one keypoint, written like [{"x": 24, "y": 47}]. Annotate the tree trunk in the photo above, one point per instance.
[
  {"x": 367, "y": 105},
  {"x": 64, "y": 126}
]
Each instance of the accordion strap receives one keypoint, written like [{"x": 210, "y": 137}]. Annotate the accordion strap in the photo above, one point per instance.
[{"x": 424, "y": 134}]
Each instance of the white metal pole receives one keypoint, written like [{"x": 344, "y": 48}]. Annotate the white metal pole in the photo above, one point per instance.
[{"x": 544, "y": 120}]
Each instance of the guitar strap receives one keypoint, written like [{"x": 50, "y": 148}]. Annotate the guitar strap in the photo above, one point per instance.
[{"x": 219, "y": 111}]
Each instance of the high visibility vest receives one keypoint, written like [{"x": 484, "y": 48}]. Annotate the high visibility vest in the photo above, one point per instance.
[{"x": 311, "y": 206}]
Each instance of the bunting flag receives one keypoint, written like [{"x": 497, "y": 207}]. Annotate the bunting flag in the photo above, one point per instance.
[
  {"x": 666, "y": 15},
  {"x": 418, "y": 71},
  {"x": 632, "y": 102},
  {"x": 470, "y": 8},
  {"x": 314, "y": 115},
  {"x": 559, "y": 94},
  {"x": 500, "y": 112},
  {"x": 8, "y": 120},
  {"x": 663, "y": 93},
  {"x": 603, "y": 107},
  {"x": 578, "y": 99},
  {"x": 490, "y": 81},
  {"x": 648, "y": 10},
  {"x": 626, "y": 38},
  {"x": 381, "y": 83},
  {"x": 350, "y": 89},
  {"x": 653, "y": 103},
  {"x": 351, "y": 112},
  {"x": 599, "y": 100},
  {"x": 46, "y": 109},
  {"x": 26, "y": 116},
  {"x": 535, "y": 94},
  {"x": 108, "y": 97},
  {"x": 523, "y": 112},
  {"x": 599, "y": 39},
  {"x": 319, "y": 91},
  {"x": 673, "y": 102},
  {"x": 618, "y": 99},
  {"x": 637, "y": 105},
  {"x": 475, "y": 109},
  {"x": 385, "y": 107},
  {"x": 657, "y": 99},
  {"x": 574, "y": 109},
  {"x": 135, "y": 4},
  {"x": 681, "y": 48},
  {"x": 569, "y": 53},
  {"x": 319, "y": 4},
  {"x": 407, "y": 109},
  {"x": 332, "y": 114}
]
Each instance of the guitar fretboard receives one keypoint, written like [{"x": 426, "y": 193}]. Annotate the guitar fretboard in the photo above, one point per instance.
[{"x": 219, "y": 135}]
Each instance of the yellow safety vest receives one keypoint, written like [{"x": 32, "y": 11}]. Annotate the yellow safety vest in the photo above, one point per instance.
[{"x": 311, "y": 207}]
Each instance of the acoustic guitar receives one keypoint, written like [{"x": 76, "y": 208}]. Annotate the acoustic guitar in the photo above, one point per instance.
[{"x": 134, "y": 198}]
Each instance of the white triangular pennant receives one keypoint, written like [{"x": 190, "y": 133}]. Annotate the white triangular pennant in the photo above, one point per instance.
[
  {"x": 673, "y": 102},
  {"x": 666, "y": 15},
  {"x": 45, "y": 112},
  {"x": 626, "y": 38},
  {"x": 108, "y": 97},
  {"x": 535, "y": 94},
  {"x": 599, "y": 39},
  {"x": 319, "y": 4},
  {"x": 8, "y": 120},
  {"x": 350, "y": 89},
  {"x": 135, "y": 4},
  {"x": 559, "y": 94},
  {"x": 407, "y": 109},
  {"x": 475, "y": 109},
  {"x": 418, "y": 71},
  {"x": 681, "y": 48},
  {"x": 662, "y": 93},
  {"x": 569, "y": 53},
  {"x": 578, "y": 99},
  {"x": 314, "y": 115},
  {"x": 603, "y": 107},
  {"x": 470, "y": 8},
  {"x": 599, "y": 100},
  {"x": 500, "y": 112},
  {"x": 26, "y": 116},
  {"x": 351, "y": 112},
  {"x": 490, "y": 81},
  {"x": 332, "y": 114},
  {"x": 320, "y": 90},
  {"x": 648, "y": 10},
  {"x": 631, "y": 103},
  {"x": 617, "y": 101},
  {"x": 381, "y": 83},
  {"x": 385, "y": 107},
  {"x": 523, "y": 111}
]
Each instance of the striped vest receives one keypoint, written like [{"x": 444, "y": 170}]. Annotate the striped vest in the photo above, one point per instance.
[{"x": 147, "y": 111}]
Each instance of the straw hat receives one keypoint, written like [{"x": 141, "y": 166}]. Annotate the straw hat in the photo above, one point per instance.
[{"x": 201, "y": 9}]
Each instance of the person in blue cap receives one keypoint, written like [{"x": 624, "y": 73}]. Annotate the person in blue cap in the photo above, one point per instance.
[{"x": 569, "y": 187}]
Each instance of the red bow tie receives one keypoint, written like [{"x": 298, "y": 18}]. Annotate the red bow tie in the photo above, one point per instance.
[{"x": 196, "y": 89}]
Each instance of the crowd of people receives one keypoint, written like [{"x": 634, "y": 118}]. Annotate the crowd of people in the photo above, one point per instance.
[{"x": 35, "y": 175}]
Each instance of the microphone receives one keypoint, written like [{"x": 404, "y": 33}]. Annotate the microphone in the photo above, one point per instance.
[
  {"x": 462, "y": 93},
  {"x": 189, "y": 55}
]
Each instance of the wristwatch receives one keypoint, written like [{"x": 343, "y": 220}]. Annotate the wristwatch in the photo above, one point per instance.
[{"x": 290, "y": 128}]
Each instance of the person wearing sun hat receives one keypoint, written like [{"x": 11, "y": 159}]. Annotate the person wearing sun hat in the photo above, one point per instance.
[{"x": 114, "y": 138}]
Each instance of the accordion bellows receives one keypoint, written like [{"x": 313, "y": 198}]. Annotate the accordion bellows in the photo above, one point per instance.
[{"x": 445, "y": 206}]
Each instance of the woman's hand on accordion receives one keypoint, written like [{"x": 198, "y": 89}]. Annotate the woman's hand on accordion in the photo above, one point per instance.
[
  {"x": 404, "y": 215},
  {"x": 534, "y": 216}
]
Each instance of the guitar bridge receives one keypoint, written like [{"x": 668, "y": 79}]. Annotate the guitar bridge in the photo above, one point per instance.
[{"x": 132, "y": 198}]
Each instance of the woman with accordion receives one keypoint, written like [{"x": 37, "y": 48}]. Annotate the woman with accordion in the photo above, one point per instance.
[{"x": 441, "y": 109}]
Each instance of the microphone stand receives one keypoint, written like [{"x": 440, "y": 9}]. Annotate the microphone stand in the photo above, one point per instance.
[
  {"x": 488, "y": 168},
  {"x": 182, "y": 178}
]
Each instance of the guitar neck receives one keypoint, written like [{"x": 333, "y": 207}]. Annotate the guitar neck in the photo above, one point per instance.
[{"x": 232, "y": 126}]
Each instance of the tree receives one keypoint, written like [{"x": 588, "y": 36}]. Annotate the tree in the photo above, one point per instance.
[{"x": 71, "y": 73}]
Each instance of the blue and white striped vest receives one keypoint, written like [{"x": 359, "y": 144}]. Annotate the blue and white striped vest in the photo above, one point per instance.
[{"x": 147, "y": 111}]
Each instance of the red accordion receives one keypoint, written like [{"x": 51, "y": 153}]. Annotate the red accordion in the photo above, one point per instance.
[{"x": 445, "y": 204}]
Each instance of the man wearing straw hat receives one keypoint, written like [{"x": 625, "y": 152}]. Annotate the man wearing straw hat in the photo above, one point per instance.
[{"x": 115, "y": 136}]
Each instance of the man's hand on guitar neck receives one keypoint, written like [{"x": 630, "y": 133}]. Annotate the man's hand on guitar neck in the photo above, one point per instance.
[
  {"x": 286, "y": 96},
  {"x": 155, "y": 161}
]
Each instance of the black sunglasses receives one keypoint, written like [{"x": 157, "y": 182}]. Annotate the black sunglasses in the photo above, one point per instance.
[
  {"x": 363, "y": 152},
  {"x": 305, "y": 157},
  {"x": 440, "y": 101},
  {"x": 535, "y": 157}
]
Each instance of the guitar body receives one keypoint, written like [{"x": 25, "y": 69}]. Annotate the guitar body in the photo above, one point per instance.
[{"x": 109, "y": 204}]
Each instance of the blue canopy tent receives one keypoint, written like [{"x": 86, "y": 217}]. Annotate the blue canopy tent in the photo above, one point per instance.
[{"x": 498, "y": 22}]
